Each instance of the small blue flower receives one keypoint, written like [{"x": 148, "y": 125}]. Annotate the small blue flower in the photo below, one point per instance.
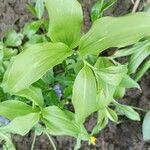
[
  {"x": 4, "y": 121},
  {"x": 58, "y": 90}
]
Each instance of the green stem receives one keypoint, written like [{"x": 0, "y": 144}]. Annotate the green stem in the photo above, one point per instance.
[
  {"x": 115, "y": 102},
  {"x": 139, "y": 109},
  {"x": 50, "y": 139},
  {"x": 33, "y": 142}
]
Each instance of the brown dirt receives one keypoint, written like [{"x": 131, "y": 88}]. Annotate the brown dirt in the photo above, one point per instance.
[{"x": 124, "y": 136}]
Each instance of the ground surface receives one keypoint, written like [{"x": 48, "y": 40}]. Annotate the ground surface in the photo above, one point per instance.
[{"x": 124, "y": 136}]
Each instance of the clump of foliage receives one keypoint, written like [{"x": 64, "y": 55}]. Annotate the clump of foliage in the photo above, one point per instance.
[{"x": 50, "y": 65}]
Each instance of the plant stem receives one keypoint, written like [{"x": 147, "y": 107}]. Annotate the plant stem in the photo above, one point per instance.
[
  {"x": 33, "y": 142},
  {"x": 50, "y": 139},
  {"x": 140, "y": 109}
]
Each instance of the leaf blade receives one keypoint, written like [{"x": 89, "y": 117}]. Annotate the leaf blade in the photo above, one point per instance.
[
  {"x": 34, "y": 94},
  {"x": 21, "y": 125},
  {"x": 60, "y": 122},
  {"x": 13, "y": 108},
  {"x": 32, "y": 64},
  {"x": 84, "y": 94},
  {"x": 115, "y": 32},
  {"x": 66, "y": 21}
]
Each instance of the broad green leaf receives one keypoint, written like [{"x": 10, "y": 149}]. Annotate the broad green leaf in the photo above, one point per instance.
[
  {"x": 99, "y": 8},
  {"x": 128, "y": 111},
  {"x": 108, "y": 77},
  {"x": 112, "y": 75},
  {"x": 22, "y": 125},
  {"x": 13, "y": 108},
  {"x": 84, "y": 94},
  {"x": 34, "y": 94},
  {"x": 112, "y": 115},
  {"x": 31, "y": 28},
  {"x": 137, "y": 58},
  {"x": 65, "y": 21},
  {"x": 145, "y": 127},
  {"x": 102, "y": 121},
  {"x": 39, "y": 8},
  {"x": 60, "y": 122},
  {"x": 145, "y": 67},
  {"x": 128, "y": 82},
  {"x": 32, "y": 64},
  {"x": 128, "y": 51},
  {"x": 13, "y": 39},
  {"x": 115, "y": 32}
]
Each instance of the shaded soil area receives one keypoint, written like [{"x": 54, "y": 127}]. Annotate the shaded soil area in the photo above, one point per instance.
[{"x": 124, "y": 136}]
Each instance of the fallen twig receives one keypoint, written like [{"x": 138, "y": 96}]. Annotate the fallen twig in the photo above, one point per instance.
[{"x": 136, "y": 5}]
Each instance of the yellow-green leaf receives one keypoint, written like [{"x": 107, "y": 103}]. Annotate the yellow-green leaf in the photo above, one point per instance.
[
  {"x": 60, "y": 122},
  {"x": 13, "y": 108},
  {"x": 34, "y": 94},
  {"x": 22, "y": 125},
  {"x": 84, "y": 94},
  {"x": 115, "y": 32},
  {"x": 65, "y": 21},
  {"x": 32, "y": 64}
]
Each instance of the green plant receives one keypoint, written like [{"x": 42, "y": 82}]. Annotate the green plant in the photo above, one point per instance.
[
  {"x": 100, "y": 7},
  {"x": 91, "y": 81}
]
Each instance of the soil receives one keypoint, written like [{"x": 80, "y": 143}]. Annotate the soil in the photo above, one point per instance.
[{"x": 124, "y": 136}]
